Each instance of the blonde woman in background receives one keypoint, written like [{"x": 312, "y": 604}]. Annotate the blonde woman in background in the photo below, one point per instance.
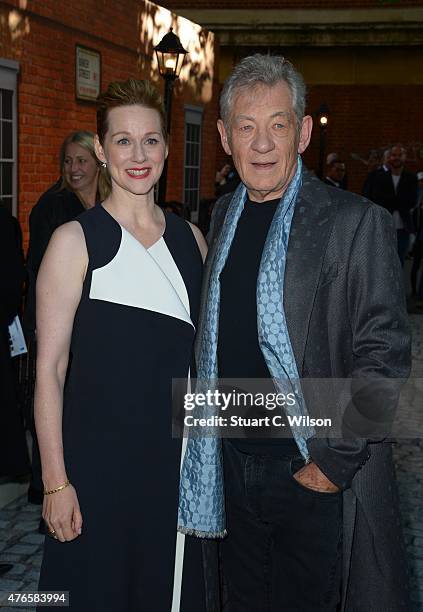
[{"x": 80, "y": 185}]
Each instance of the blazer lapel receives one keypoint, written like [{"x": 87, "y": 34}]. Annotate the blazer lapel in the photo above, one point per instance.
[{"x": 310, "y": 230}]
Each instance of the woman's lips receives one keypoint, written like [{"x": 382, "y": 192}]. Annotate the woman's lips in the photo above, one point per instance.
[{"x": 138, "y": 173}]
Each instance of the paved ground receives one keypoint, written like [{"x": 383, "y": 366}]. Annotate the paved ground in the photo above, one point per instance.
[
  {"x": 21, "y": 544},
  {"x": 409, "y": 464}
]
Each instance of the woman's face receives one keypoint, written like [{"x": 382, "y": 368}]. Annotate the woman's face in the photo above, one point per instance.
[
  {"x": 80, "y": 168},
  {"x": 134, "y": 148}
]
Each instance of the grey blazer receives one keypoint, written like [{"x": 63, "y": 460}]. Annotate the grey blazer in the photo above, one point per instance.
[{"x": 345, "y": 309}]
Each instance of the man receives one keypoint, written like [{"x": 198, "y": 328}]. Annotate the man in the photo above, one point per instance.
[
  {"x": 335, "y": 174},
  {"x": 301, "y": 280},
  {"x": 417, "y": 287},
  {"x": 394, "y": 188}
]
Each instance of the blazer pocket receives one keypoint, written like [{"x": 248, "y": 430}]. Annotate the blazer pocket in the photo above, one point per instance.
[{"x": 328, "y": 275}]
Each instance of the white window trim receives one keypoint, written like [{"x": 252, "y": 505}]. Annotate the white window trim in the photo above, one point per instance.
[
  {"x": 9, "y": 70},
  {"x": 194, "y": 116}
]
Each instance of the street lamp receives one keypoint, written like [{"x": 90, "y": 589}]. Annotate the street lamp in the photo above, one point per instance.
[
  {"x": 170, "y": 57},
  {"x": 323, "y": 121}
]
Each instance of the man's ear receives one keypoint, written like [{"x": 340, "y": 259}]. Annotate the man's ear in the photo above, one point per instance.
[
  {"x": 305, "y": 134},
  {"x": 99, "y": 149},
  {"x": 223, "y": 137}
]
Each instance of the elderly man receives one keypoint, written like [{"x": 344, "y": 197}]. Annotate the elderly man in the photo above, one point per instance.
[{"x": 301, "y": 281}]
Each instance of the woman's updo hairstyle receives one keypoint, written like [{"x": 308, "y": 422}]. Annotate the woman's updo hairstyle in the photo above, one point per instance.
[{"x": 127, "y": 93}]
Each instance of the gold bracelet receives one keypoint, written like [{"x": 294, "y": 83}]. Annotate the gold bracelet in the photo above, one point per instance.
[{"x": 63, "y": 486}]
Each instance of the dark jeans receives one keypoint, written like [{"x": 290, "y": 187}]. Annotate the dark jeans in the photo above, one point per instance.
[{"x": 283, "y": 549}]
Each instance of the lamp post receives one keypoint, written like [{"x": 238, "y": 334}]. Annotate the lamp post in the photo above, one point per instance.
[
  {"x": 323, "y": 120},
  {"x": 170, "y": 57}
]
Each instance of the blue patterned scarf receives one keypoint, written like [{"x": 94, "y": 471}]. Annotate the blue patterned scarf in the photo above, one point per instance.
[{"x": 201, "y": 504}]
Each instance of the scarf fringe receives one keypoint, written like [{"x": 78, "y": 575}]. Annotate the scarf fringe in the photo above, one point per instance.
[{"x": 210, "y": 535}]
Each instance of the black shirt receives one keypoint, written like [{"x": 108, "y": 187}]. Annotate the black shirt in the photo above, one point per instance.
[
  {"x": 238, "y": 352},
  {"x": 54, "y": 208}
]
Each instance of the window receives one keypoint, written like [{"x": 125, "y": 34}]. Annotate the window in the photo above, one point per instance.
[
  {"x": 8, "y": 135},
  {"x": 193, "y": 119}
]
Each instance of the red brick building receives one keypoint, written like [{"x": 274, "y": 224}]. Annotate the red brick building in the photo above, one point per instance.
[
  {"x": 363, "y": 58},
  {"x": 38, "y": 104}
]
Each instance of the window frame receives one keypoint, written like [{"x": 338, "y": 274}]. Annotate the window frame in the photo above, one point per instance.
[
  {"x": 193, "y": 116},
  {"x": 9, "y": 70}
]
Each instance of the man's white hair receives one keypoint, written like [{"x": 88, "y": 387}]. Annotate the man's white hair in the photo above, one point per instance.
[{"x": 267, "y": 70}]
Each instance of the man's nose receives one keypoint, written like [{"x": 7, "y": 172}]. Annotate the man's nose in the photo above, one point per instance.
[{"x": 263, "y": 141}]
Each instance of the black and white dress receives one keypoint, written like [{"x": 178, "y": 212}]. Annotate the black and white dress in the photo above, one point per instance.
[{"x": 133, "y": 333}]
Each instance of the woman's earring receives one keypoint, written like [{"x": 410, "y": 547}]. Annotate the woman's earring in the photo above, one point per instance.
[{"x": 104, "y": 164}]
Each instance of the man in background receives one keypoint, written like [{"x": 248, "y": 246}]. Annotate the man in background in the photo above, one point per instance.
[
  {"x": 335, "y": 174},
  {"x": 394, "y": 188}
]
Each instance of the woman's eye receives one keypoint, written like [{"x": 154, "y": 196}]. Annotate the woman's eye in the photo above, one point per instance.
[
  {"x": 123, "y": 141},
  {"x": 151, "y": 141}
]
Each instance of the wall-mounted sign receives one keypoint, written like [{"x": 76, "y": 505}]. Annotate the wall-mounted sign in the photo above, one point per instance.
[{"x": 88, "y": 73}]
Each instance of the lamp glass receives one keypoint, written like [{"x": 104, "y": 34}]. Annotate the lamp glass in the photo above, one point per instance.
[{"x": 170, "y": 64}]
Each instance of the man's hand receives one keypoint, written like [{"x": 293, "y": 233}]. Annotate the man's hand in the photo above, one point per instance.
[{"x": 311, "y": 477}]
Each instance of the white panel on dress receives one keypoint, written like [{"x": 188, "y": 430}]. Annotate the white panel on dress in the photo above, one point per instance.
[
  {"x": 134, "y": 278},
  {"x": 164, "y": 259}
]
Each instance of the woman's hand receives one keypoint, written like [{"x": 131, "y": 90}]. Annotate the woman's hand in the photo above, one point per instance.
[
  {"x": 62, "y": 514},
  {"x": 59, "y": 289}
]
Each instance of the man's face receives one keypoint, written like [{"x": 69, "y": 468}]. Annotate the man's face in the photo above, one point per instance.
[
  {"x": 263, "y": 139},
  {"x": 396, "y": 158},
  {"x": 336, "y": 171}
]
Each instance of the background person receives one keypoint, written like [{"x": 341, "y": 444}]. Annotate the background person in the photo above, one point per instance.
[
  {"x": 417, "y": 251},
  {"x": 77, "y": 190},
  {"x": 13, "y": 449},
  {"x": 14, "y": 460},
  {"x": 330, "y": 159},
  {"x": 394, "y": 188},
  {"x": 118, "y": 290},
  {"x": 335, "y": 174}
]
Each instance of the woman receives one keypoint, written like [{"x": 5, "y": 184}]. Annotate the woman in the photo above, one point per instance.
[
  {"x": 118, "y": 289},
  {"x": 80, "y": 186},
  {"x": 76, "y": 190}
]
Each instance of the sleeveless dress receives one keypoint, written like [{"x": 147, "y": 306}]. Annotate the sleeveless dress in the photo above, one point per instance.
[{"x": 133, "y": 332}]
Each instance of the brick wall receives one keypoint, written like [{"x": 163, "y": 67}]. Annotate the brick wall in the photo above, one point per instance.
[{"x": 42, "y": 39}]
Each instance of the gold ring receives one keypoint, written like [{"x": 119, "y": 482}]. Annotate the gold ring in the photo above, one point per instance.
[{"x": 52, "y": 533}]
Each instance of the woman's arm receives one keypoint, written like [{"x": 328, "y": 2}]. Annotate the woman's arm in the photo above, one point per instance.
[{"x": 59, "y": 288}]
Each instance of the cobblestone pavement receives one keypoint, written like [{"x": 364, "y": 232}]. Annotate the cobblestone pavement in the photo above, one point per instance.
[{"x": 21, "y": 544}]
